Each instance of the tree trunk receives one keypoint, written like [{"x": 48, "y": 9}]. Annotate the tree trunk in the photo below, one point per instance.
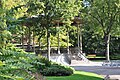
[
  {"x": 80, "y": 40},
  {"x": 107, "y": 42},
  {"x": 22, "y": 39},
  {"x": 33, "y": 41},
  {"x": 48, "y": 44},
  {"x": 78, "y": 36},
  {"x": 58, "y": 40},
  {"x": 29, "y": 39},
  {"x": 39, "y": 45},
  {"x": 67, "y": 40}
]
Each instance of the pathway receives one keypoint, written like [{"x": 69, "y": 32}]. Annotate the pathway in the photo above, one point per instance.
[{"x": 96, "y": 67}]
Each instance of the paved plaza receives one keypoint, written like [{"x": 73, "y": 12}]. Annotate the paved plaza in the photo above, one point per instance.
[{"x": 96, "y": 67}]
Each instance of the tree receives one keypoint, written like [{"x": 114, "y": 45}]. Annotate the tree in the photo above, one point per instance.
[
  {"x": 105, "y": 16},
  {"x": 27, "y": 21},
  {"x": 64, "y": 11},
  {"x": 11, "y": 10}
]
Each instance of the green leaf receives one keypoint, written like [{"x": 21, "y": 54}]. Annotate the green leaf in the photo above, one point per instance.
[{"x": 1, "y": 63}]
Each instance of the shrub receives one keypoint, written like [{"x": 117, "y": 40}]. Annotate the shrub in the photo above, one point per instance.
[
  {"x": 17, "y": 65},
  {"x": 57, "y": 70},
  {"x": 115, "y": 56},
  {"x": 44, "y": 60},
  {"x": 52, "y": 69},
  {"x": 21, "y": 65},
  {"x": 13, "y": 48}
]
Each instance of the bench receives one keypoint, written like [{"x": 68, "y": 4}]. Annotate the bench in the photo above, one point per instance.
[{"x": 92, "y": 55}]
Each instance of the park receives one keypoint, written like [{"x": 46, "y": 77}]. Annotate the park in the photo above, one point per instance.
[{"x": 59, "y": 39}]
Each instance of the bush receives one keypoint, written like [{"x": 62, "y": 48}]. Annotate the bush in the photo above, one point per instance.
[
  {"x": 44, "y": 60},
  {"x": 57, "y": 70},
  {"x": 17, "y": 65},
  {"x": 52, "y": 69},
  {"x": 115, "y": 56},
  {"x": 41, "y": 63},
  {"x": 13, "y": 48},
  {"x": 23, "y": 65}
]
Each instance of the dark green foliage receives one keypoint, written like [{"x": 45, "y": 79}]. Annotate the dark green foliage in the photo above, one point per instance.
[
  {"x": 115, "y": 56},
  {"x": 13, "y": 48},
  {"x": 57, "y": 70},
  {"x": 37, "y": 63},
  {"x": 103, "y": 18},
  {"x": 17, "y": 65},
  {"x": 44, "y": 60},
  {"x": 52, "y": 69},
  {"x": 115, "y": 45}
]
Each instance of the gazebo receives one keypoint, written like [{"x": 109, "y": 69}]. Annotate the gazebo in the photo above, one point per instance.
[{"x": 77, "y": 21}]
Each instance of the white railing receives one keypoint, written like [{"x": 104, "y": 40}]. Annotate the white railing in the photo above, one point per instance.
[{"x": 112, "y": 63}]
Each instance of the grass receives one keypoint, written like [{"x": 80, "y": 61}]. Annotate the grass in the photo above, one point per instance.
[
  {"x": 78, "y": 75},
  {"x": 97, "y": 60}
]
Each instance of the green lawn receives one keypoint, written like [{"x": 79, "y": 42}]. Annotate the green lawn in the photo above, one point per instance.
[{"x": 78, "y": 75}]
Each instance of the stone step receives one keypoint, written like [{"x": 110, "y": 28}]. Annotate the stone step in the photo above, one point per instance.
[{"x": 78, "y": 62}]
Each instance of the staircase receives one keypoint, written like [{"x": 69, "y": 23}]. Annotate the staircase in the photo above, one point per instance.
[
  {"x": 75, "y": 52},
  {"x": 60, "y": 58},
  {"x": 77, "y": 57}
]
